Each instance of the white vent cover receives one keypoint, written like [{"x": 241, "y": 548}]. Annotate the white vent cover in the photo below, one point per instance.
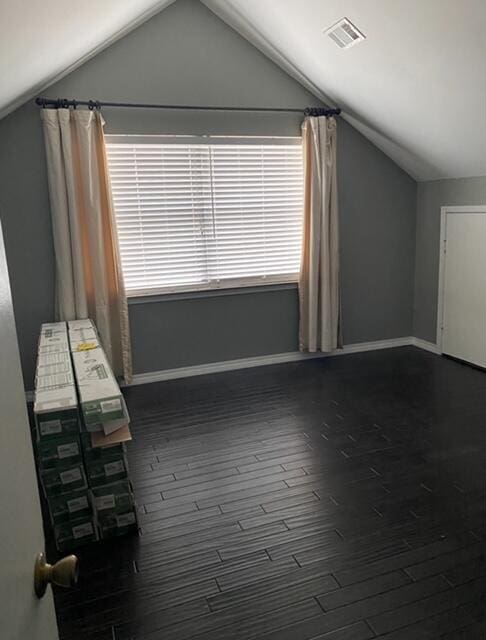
[{"x": 344, "y": 34}]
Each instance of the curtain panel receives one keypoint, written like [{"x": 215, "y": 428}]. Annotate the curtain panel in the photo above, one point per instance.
[
  {"x": 89, "y": 279},
  {"x": 319, "y": 291}
]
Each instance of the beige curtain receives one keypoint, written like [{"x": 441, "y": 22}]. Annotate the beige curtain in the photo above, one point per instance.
[
  {"x": 319, "y": 295},
  {"x": 89, "y": 280}
]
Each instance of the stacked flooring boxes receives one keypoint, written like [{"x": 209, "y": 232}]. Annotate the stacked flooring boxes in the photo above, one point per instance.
[{"x": 81, "y": 427}]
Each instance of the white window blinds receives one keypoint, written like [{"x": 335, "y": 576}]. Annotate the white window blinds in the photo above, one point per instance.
[{"x": 206, "y": 213}]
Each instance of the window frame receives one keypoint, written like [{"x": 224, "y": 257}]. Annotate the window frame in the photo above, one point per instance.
[{"x": 213, "y": 285}]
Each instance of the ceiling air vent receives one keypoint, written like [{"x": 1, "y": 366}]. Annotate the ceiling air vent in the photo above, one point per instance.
[{"x": 344, "y": 33}]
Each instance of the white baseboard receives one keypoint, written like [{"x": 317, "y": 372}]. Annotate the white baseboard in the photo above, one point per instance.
[
  {"x": 277, "y": 358},
  {"x": 426, "y": 345},
  {"x": 260, "y": 361}
]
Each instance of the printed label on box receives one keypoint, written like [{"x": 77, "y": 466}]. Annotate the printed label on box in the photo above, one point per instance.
[
  {"x": 50, "y": 426},
  {"x": 107, "y": 406},
  {"x": 57, "y": 380},
  {"x": 77, "y": 504},
  {"x": 112, "y": 468},
  {"x": 68, "y": 450},
  {"x": 125, "y": 519},
  {"x": 52, "y": 369},
  {"x": 81, "y": 530},
  {"x": 105, "y": 502},
  {"x": 53, "y": 358},
  {"x": 72, "y": 475}
]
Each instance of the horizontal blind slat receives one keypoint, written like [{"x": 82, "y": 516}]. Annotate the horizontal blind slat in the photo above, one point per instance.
[{"x": 198, "y": 215}]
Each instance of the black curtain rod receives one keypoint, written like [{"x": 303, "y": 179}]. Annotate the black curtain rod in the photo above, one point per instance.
[{"x": 64, "y": 103}]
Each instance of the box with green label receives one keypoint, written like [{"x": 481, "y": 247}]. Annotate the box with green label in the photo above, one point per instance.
[
  {"x": 56, "y": 412},
  {"x": 95, "y": 454},
  {"x": 112, "y": 498},
  {"x": 99, "y": 393},
  {"x": 69, "y": 506},
  {"x": 75, "y": 533},
  {"x": 117, "y": 524},
  {"x": 109, "y": 426},
  {"x": 59, "y": 452},
  {"x": 63, "y": 480},
  {"x": 106, "y": 471}
]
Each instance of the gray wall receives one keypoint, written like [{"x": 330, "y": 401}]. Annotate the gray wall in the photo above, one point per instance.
[
  {"x": 431, "y": 196},
  {"x": 186, "y": 54}
]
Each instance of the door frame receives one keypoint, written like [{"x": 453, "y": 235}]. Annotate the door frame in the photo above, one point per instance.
[{"x": 444, "y": 211}]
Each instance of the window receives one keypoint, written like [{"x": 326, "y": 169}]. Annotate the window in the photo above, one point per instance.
[{"x": 206, "y": 213}]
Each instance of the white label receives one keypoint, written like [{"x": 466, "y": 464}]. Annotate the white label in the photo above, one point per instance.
[
  {"x": 105, "y": 502},
  {"x": 107, "y": 406},
  {"x": 72, "y": 475},
  {"x": 51, "y": 426},
  {"x": 125, "y": 519},
  {"x": 111, "y": 468},
  {"x": 68, "y": 450},
  {"x": 81, "y": 530},
  {"x": 77, "y": 504}
]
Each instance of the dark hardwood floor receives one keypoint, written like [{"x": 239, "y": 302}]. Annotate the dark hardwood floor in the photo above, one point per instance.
[{"x": 336, "y": 499}]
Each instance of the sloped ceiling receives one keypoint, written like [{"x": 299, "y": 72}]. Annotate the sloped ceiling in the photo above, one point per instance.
[
  {"x": 43, "y": 40},
  {"x": 415, "y": 87}
]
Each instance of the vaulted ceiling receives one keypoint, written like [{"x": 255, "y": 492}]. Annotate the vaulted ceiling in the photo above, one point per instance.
[{"x": 415, "y": 86}]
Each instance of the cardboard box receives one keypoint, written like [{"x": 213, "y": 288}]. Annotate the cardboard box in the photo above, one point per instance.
[
  {"x": 117, "y": 524},
  {"x": 61, "y": 480},
  {"x": 69, "y": 506},
  {"x": 112, "y": 498},
  {"x": 59, "y": 452},
  {"x": 106, "y": 470},
  {"x": 56, "y": 412},
  {"x": 75, "y": 533},
  {"x": 99, "y": 393},
  {"x": 117, "y": 437}
]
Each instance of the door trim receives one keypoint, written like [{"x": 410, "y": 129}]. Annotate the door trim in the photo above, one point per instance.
[{"x": 444, "y": 211}]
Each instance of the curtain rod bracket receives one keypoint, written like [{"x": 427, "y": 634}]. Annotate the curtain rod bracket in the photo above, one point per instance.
[{"x": 321, "y": 111}]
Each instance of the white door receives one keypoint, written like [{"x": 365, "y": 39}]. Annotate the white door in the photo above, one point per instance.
[
  {"x": 22, "y": 615},
  {"x": 464, "y": 302}
]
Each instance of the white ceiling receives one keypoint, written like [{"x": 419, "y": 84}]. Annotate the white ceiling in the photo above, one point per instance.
[{"x": 415, "y": 86}]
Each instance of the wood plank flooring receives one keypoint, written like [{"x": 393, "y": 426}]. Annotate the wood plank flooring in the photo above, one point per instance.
[{"x": 335, "y": 499}]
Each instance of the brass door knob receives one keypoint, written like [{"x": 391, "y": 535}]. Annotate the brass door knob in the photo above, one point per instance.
[{"x": 64, "y": 573}]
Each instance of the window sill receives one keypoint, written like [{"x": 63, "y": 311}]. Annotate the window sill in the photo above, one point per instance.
[{"x": 210, "y": 293}]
